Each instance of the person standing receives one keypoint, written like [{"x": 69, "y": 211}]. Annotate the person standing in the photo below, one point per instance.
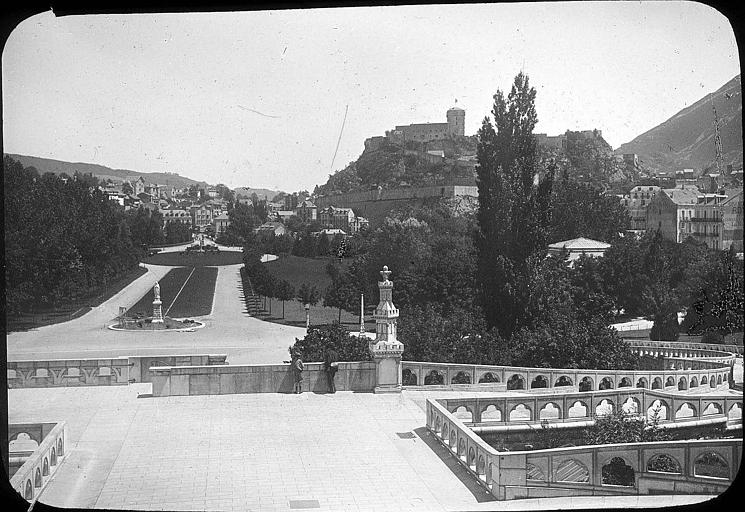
[
  {"x": 297, "y": 373},
  {"x": 331, "y": 366}
]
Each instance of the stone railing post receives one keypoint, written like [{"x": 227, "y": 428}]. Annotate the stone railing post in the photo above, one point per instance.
[{"x": 386, "y": 350}]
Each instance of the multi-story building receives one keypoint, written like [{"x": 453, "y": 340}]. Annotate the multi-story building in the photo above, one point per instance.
[
  {"x": 358, "y": 224},
  {"x": 636, "y": 202},
  {"x": 706, "y": 223},
  {"x": 201, "y": 216},
  {"x": 154, "y": 190},
  {"x": 337, "y": 218},
  {"x": 670, "y": 211},
  {"x": 221, "y": 222},
  {"x": 306, "y": 211},
  {"x": 176, "y": 215},
  {"x": 732, "y": 222}
]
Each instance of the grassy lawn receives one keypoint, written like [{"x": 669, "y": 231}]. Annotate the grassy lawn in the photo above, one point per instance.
[
  {"x": 295, "y": 315},
  {"x": 73, "y": 308},
  {"x": 194, "y": 300},
  {"x": 181, "y": 259},
  {"x": 311, "y": 271},
  {"x": 196, "y": 297},
  {"x": 297, "y": 270}
]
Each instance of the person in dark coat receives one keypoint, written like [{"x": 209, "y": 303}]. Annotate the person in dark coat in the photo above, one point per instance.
[
  {"x": 330, "y": 364},
  {"x": 297, "y": 373}
]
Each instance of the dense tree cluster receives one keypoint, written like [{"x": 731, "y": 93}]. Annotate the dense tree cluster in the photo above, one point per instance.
[
  {"x": 63, "y": 238},
  {"x": 326, "y": 337}
]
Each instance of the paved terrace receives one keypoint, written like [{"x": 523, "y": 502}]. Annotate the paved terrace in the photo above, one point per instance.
[{"x": 262, "y": 452}]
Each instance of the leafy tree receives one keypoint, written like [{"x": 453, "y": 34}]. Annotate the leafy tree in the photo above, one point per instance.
[
  {"x": 308, "y": 294},
  {"x": 514, "y": 205},
  {"x": 177, "y": 232},
  {"x": 63, "y": 238},
  {"x": 127, "y": 188},
  {"x": 334, "y": 336},
  {"x": 284, "y": 292},
  {"x": 580, "y": 210},
  {"x": 457, "y": 337}
]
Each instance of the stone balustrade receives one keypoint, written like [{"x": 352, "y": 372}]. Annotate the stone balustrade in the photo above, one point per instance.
[
  {"x": 569, "y": 379},
  {"x": 278, "y": 378},
  {"x": 40, "y": 463},
  {"x": 699, "y": 466},
  {"x": 526, "y": 411},
  {"x": 687, "y": 345},
  {"x": 97, "y": 372}
]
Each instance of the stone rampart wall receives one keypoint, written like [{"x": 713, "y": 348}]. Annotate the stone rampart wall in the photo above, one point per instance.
[{"x": 221, "y": 380}]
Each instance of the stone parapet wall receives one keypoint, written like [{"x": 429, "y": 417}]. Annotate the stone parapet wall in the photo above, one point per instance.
[
  {"x": 97, "y": 372},
  {"x": 672, "y": 409},
  {"x": 221, "y": 380},
  {"x": 450, "y": 373},
  {"x": 578, "y": 471},
  {"x": 29, "y": 480}
]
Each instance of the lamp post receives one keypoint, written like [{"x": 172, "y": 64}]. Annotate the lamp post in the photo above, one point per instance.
[{"x": 307, "y": 316}]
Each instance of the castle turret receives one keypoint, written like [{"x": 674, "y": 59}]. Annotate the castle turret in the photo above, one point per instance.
[{"x": 456, "y": 121}]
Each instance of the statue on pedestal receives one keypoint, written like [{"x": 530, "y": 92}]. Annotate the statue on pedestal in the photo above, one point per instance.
[{"x": 157, "y": 312}]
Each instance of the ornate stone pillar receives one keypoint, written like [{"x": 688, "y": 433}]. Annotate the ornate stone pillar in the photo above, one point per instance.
[{"x": 386, "y": 350}]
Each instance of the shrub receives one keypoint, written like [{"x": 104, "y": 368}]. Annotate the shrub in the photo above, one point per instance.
[{"x": 320, "y": 338}]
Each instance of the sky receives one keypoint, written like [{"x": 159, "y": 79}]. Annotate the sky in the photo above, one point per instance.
[{"x": 258, "y": 99}]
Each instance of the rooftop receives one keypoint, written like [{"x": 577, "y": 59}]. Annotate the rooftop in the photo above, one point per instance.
[{"x": 580, "y": 244}]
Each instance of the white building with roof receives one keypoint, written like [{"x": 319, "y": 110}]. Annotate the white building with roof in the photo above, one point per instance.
[{"x": 578, "y": 247}]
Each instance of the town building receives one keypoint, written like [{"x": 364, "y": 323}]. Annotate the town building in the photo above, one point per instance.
[
  {"x": 732, "y": 222},
  {"x": 636, "y": 203},
  {"x": 331, "y": 233},
  {"x": 671, "y": 212},
  {"x": 706, "y": 223},
  {"x": 685, "y": 177},
  {"x": 334, "y": 217},
  {"x": 221, "y": 223},
  {"x": 179, "y": 215},
  {"x": 358, "y": 224},
  {"x": 578, "y": 247},
  {"x": 307, "y": 211},
  {"x": 284, "y": 215},
  {"x": 201, "y": 216},
  {"x": 271, "y": 229}
]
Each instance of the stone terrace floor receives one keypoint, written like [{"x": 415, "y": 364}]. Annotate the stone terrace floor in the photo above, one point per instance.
[{"x": 262, "y": 452}]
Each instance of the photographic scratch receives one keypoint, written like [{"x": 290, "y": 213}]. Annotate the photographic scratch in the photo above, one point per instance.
[{"x": 257, "y": 112}]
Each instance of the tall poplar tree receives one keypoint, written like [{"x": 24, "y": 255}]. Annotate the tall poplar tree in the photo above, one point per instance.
[{"x": 514, "y": 206}]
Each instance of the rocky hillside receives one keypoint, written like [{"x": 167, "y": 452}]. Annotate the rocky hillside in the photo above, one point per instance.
[
  {"x": 392, "y": 166},
  {"x": 686, "y": 140},
  {"x": 102, "y": 173}
]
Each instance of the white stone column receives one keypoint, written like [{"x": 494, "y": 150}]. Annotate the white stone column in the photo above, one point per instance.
[{"x": 386, "y": 350}]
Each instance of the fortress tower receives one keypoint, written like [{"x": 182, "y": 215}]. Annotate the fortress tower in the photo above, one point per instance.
[{"x": 456, "y": 121}]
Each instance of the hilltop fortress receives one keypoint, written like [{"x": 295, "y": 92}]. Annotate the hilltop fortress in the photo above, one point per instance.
[{"x": 424, "y": 132}]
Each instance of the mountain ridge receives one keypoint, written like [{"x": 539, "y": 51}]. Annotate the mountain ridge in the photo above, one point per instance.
[{"x": 686, "y": 139}]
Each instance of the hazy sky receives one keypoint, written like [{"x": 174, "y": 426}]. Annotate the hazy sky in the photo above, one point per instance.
[{"x": 258, "y": 98}]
